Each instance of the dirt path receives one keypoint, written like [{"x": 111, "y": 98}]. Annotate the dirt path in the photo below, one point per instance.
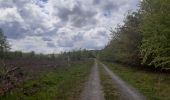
[
  {"x": 127, "y": 92},
  {"x": 93, "y": 89}
]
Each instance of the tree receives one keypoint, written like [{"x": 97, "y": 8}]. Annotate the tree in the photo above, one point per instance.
[
  {"x": 124, "y": 46},
  {"x": 4, "y": 45},
  {"x": 155, "y": 28}
]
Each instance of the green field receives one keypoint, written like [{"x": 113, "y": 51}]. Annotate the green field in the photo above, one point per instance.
[
  {"x": 155, "y": 86},
  {"x": 55, "y": 85}
]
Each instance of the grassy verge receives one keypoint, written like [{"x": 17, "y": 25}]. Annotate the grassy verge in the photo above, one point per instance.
[
  {"x": 109, "y": 89},
  {"x": 154, "y": 86},
  {"x": 55, "y": 85}
]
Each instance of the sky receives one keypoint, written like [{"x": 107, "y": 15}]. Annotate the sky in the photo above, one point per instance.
[{"x": 54, "y": 26}]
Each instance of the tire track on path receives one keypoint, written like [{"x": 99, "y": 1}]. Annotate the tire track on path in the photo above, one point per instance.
[
  {"x": 127, "y": 92},
  {"x": 93, "y": 88}
]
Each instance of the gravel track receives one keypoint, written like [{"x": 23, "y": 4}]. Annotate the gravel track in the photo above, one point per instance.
[{"x": 93, "y": 88}]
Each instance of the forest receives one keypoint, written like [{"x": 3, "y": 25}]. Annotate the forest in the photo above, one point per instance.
[{"x": 144, "y": 38}]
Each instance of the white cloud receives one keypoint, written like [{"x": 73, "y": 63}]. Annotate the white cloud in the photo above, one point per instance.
[
  {"x": 10, "y": 15},
  {"x": 48, "y": 26}
]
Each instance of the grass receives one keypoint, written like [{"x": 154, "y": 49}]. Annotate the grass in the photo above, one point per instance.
[
  {"x": 154, "y": 86},
  {"x": 110, "y": 92},
  {"x": 55, "y": 85}
]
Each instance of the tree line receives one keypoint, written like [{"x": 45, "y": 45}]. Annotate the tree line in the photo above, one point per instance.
[
  {"x": 144, "y": 38},
  {"x": 74, "y": 55}
]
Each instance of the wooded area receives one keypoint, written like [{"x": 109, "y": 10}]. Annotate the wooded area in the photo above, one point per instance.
[{"x": 144, "y": 38}]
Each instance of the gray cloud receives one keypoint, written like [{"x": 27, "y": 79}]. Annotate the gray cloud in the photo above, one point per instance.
[
  {"x": 51, "y": 45},
  {"x": 65, "y": 40},
  {"x": 46, "y": 39},
  {"x": 60, "y": 25},
  {"x": 63, "y": 13},
  {"x": 78, "y": 37},
  {"x": 12, "y": 30},
  {"x": 110, "y": 6},
  {"x": 96, "y": 2},
  {"x": 78, "y": 16}
]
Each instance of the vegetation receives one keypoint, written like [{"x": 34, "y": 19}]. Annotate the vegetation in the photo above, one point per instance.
[
  {"x": 18, "y": 67},
  {"x": 124, "y": 45},
  {"x": 4, "y": 46},
  {"x": 31, "y": 76},
  {"x": 155, "y": 86},
  {"x": 78, "y": 55},
  {"x": 65, "y": 84},
  {"x": 110, "y": 91},
  {"x": 155, "y": 28},
  {"x": 144, "y": 38}
]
